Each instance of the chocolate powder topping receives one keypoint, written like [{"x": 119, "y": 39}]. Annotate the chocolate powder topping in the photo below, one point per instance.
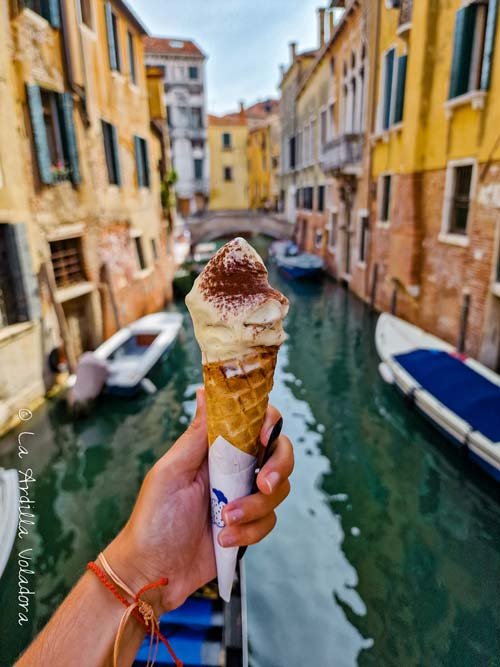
[{"x": 234, "y": 278}]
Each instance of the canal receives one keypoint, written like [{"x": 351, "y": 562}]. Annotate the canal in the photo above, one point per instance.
[{"x": 387, "y": 551}]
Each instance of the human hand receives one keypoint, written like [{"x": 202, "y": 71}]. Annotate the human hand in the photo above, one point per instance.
[{"x": 169, "y": 532}]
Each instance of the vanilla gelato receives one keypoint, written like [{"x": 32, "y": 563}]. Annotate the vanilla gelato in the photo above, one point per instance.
[{"x": 233, "y": 307}]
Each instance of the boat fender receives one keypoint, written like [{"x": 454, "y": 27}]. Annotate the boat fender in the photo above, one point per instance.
[
  {"x": 148, "y": 386},
  {"x": 386, "y": 373}
]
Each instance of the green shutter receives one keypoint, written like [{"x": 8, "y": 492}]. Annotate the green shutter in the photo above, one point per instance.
[
  {"x": 50, "y": 11},
  {"x": 39, "y": 134},
  {"x": 389, "y": 74},
  {"x": 146, "y": 163},
  {"x": 66, "y": 106},
  {"x": 139, "y": 164},
  {"x": 116, "y": 155},
  {"x": 465, "y": 23},
  {"x": 111, "y": 37},
  {"x": 489, "y": 44},
  {"x": 400, "y": 89}
]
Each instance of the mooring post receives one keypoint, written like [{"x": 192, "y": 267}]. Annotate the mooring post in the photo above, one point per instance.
[
  {"x": 394, "y": 299},
  {"x": 464, "y": 317}
]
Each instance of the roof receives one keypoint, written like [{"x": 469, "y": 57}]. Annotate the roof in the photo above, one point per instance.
[
  {"x": 132, "y": 16},
  {"x": 305, "y": 55},
  {"x": 172, "y": 46},
  {"x": 229, "y": 119},
  {"x": 261, "y": 110}
]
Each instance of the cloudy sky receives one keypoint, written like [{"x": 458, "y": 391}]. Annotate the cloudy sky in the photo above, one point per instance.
[{"x": 245, "y": 41}]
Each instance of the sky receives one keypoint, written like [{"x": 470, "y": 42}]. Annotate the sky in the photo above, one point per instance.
[{"x": 245, "y": 41}]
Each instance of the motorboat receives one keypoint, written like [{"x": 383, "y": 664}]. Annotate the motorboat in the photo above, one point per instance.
[
  {"x": 459, "y": 395},
  {"x": 9, "y": 513},
  {"x": 300, "y": 267},
  {"x": 283, "y": 249}
]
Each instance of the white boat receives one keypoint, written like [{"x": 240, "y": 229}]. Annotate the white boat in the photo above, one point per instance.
[
  {"x": 458, "y": 394},
  {"x": 9, "y": 513},
  {"x": 121, "y": 363}
]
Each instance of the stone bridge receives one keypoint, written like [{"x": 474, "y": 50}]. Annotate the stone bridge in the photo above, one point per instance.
[{"x": 215, "y": 224}]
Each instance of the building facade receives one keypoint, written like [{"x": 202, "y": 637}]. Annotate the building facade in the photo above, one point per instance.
[
  {"x": 228, "y": 139},
  {"x": 264, "y": 143},
  {"x": 184, "y": 67},
  {"x": 83, "y": 234}
]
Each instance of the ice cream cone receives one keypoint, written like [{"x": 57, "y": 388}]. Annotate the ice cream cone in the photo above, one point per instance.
[{"x": 237, "y": 392}]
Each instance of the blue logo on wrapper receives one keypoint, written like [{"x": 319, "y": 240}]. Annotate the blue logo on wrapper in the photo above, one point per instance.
[{"x": 218, "y": 502}]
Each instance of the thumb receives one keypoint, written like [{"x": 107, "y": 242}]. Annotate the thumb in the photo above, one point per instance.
[{"x": 191, "y": 448}]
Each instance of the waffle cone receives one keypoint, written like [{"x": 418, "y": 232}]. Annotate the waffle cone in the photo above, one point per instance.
[{"x": 237, "y": 393}]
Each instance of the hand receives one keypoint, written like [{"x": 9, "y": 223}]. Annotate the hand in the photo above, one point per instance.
[{"x": 169, "y": 532}]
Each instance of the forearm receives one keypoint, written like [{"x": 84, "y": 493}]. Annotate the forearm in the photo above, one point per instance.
[{"x": 83, "y": 631}]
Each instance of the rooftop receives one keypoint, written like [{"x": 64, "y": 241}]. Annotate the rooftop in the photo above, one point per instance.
[
  {"x": 228, "y": 119},
  {"x": 172, "y": 46}
]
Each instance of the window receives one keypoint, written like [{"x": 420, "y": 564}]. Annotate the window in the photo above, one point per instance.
[
  {"x": 228, "y": 173},
  {"x": 131, "y": 57},
  {"x": 321, "y": 198},
  {"x": 169, "y": 116},
  {"x": 85, "y": 12},
  {"x": 363, "y": 237},
  {"x": 198, "y": 169},
  {"x": 110, "y": 140},
  {"x": 193, "y": 73},
  {"x": 386, "y": 89},
  {"x": 300, "y": 148},
  {"x": 318, "y": 239},
  {"x": 197, "y": 143},
  {"x": 459, "y": 180},
  {"x": 196, "y": 117},
  {"x": 308, "y": 198},
  {"x": 19, "y": 300},
  {"x": 297, "y": 197},
  {"x": 227, "y": 141},
  {"x": 292, "y": 153},
  {"x": 49, "y": 9},
  {"x": 67, "y": 261},
  {"x": 475, "y": 27},
  {"x": 397, "y": 115},
  {"x": 324, "y": 127},
  {"x": 113, "y": 38},
  {"x": 312, "y": 140},
  {"x": 332, "y": 231},
  {"x": 154, "y": 249},
  {"x": 141, "y": 262},
  {"x": 331, "y": 121},
  {"x": 54, "y": 135},
  {"x": 141, "y": 162},
  {"x": 384, "y": 210}
]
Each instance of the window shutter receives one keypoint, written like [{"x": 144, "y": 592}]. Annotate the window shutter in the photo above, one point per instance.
[
  {"x": 400, "y": 89},
  {"x": 389, "y": 75},
  {"x": 66, "y": 106},
  {"x": 116, "y": 155},
  {"x": 39, "y": 134},
  {"x": 111, "y": 38},
  {"x": 146, "y": 163},
  {"x": 24, "y": 282},
  {"x": 489, "y": 44},
  {"x": 462, "y": 50},
  {"x": 139, "y": 164},
  {"x": 50, "y": 11}
]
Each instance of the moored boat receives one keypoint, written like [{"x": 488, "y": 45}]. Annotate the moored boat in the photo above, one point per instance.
[
  {"x": 9, "y": 513},
  {"x": 120, "y": 365},
  {"x": 300, "y": 267},
  {"x": 460, "y": 396}
]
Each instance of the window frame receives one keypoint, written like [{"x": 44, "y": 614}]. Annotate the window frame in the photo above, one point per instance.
[
  {"x": 198, "y": 161},
  {"x": 111, "y": 147},
  {"x": 363, "y": 235},
  {"x": 131, "y": 57},
  {"x": 227, "y": 174},
  {"x": 381, "y": 196},
  {"x": 449, "y": 193},
  {"x": 140, "y": 256},
  {"x": 190, "y": 69},
  {"x": 80, "y": 13},
  {"x": 227, "y": 146}
]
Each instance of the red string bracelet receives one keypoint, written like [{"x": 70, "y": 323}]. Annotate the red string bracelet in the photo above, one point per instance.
[{"x": 139, "y": 609}]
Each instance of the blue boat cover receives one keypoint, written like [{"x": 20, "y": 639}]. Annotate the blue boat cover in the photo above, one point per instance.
[
  {"x": 457, "y": 386},
  {"x": 187, "y": 647},
  {"x": 195, "y": 612}
]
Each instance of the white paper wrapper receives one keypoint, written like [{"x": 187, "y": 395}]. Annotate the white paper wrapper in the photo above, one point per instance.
[{"x": 231, "y": 474}]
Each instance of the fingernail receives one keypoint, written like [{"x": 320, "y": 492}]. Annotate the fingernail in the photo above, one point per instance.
[
  {"x": 227, "y": 540},
  {"x": 233, "y": 516},
  {"x": 274, "y": 431},
  {"x": 272, "y": 479}
]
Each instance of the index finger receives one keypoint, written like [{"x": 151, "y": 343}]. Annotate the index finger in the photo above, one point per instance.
[{"x": 278, "y": 468}]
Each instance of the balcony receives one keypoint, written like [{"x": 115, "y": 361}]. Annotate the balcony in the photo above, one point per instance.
[
  {"x": 343, "y": 153},
  {"x": 405, "y": 14}
]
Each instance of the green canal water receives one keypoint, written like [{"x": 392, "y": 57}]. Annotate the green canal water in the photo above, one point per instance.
[{"x": 387, "y": 551}]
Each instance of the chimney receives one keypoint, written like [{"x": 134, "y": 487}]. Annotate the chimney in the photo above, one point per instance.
[
  {"x": 242, "y": 107},
  {"x": 332, "y": 23},
  {"x": 293, "y": 51},
  {"x": 321, "y": 22},
  {"x": 282, "y": 71}
]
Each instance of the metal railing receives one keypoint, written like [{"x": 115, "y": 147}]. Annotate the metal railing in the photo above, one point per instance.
[{"x": 345, "y": 150}]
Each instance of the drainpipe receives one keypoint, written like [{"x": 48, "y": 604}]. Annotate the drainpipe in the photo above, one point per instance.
[
  {"x": 370, "y": 131},
  {"x": 68, "y": 63}
]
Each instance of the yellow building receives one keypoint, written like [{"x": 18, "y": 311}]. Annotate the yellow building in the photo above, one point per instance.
[
  {"x": 264, "y": 143},
  {"x": 435, "y": 169},
  {"x": 83, "y": 237},
  {"x": 227, "y": 140}
]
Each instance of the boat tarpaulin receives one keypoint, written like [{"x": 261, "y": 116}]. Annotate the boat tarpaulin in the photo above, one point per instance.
[{"x": 468, "y": 394}]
